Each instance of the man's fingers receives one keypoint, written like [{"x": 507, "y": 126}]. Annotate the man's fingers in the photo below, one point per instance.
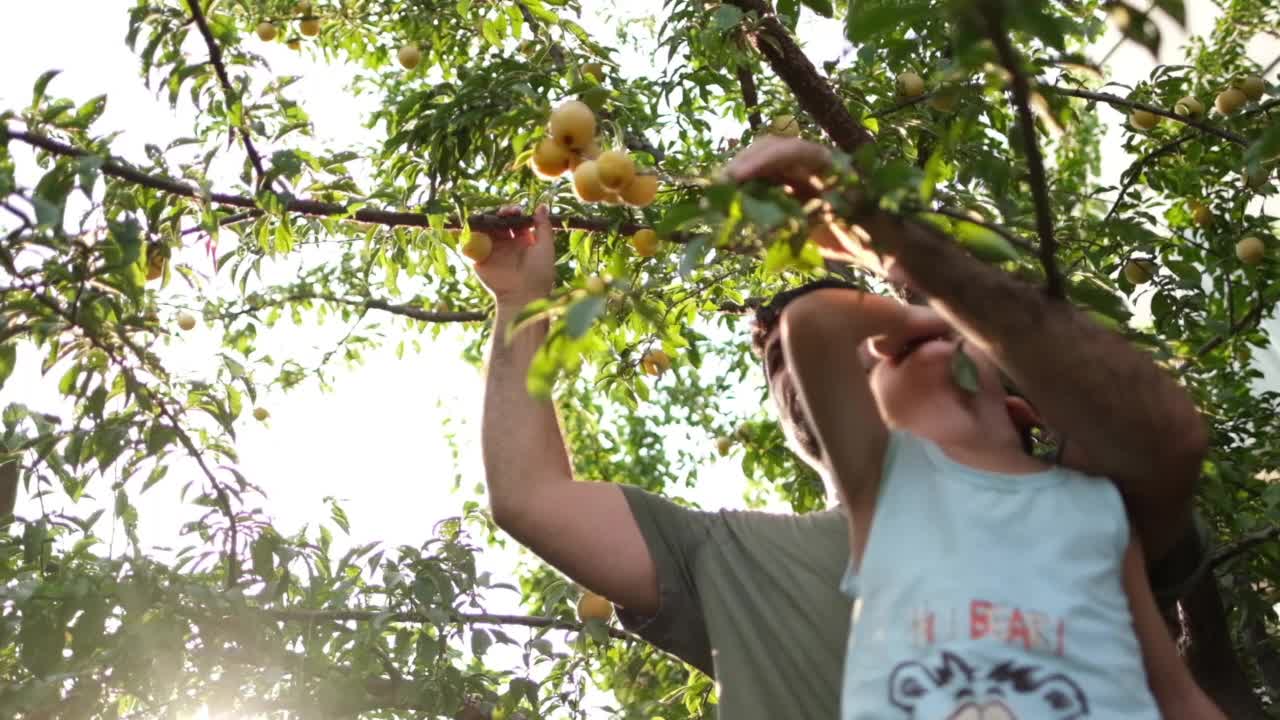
[
  {"x": 542, "y": 225},
  {"x": 507, "y": 210}
]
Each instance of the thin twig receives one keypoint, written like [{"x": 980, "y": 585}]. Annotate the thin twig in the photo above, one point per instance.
[
  {"x": 410, "y": 311},
  {"x": 1244, "y": 544},
  {"x": 899, "y": 106},
  {"x": 220, "y": 69},
  {"x": 1035, "y": 163},
  {"x": 1117, "y": 101},
  {"x": 1135, "y": 171},
  {"x": 1251, "y": 318},
  {"x": 1000, "y": 230},
  {"x": 750, "y": 97}
]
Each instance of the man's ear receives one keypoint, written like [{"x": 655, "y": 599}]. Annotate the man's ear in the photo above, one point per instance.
[{"x": 1021, "y": 413}]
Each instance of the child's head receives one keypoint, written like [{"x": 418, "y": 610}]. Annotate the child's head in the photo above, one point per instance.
[{"x": 913, "y": 382}]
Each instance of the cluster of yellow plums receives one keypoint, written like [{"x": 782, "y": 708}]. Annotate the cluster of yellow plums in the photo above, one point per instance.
[
  {"x": 1247, "y": 89},
  {"x": 570, "y": 147}
]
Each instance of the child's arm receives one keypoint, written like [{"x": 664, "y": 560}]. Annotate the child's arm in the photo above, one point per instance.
[
  {"x": 821, "y": 335},
  {"x": 1177, "y": 693}
]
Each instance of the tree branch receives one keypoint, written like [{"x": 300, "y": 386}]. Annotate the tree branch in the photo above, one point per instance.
[
  {"x": 1135, "y": 170},
  {"x": 532, "y": 621},
  {"x": 1031, "y": 148},
  {"x": 484, "y": 222},
  {"x": 220, "y": 69},
  {"x": 750, "y": 97},
  {"x": 1253, "y": 317},
  {"x": 406, "y": 310},
  {"x": 812, "y": 91},
  {"x": 1000, "y": 230},
  {"x": 1116, "y": 100},
  {"x": 1244, "y": 544}
]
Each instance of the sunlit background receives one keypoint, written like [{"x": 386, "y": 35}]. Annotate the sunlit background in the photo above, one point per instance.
[{"x": 395, "y": 440}]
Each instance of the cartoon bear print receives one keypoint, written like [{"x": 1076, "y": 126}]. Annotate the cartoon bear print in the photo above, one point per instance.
[{"x": 954, "y": 690}]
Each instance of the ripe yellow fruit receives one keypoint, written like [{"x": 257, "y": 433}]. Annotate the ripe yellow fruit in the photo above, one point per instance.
[
  {"x": 641, "y": 191},
  {"x": 157, "y": 259},
  {"x": 655, "y": 362},
  {"x": 260, "y": 414},
  {"x": 440, "y": 307},
  {"x": 478, "y": 247},
  {"x": 910, "y": 85},
  {"x": 944, "y": 99},
  {"x": 595, "y": 285},
  {"x": 593, "y": 70},
  {"x": 550, "y": 159},
  {"x": 586, "y": 182},
  {"x": 1201, "y": 214},
  {"x": 784, "y": 126},
  {"x": 724, "y": 445},
  {"x": 1230, "y": 100},
  {"x": 1251, "y": 250},
  {"x": 645, "y": 242},
  {"x": 594, "y": 607},
  {"x": 310, "y": 27},
  {"x": 266, "y": 31},
  {"x": 186, "y": 320},
  {"x": 616, "y": 169},
  {"x": 409, "y": 56},
  {"x": 1188, "y": 105},
  {"x": 612, "y": 198},
  {"x": 303, "y": 7},
  {"x": 294, "y": 44},
  {"x": 1143, "y": 120},
  {"x": 1138, "y": 271},
  {"x": 1252, "y": 87},
  {"x": 573, "y": 125}
]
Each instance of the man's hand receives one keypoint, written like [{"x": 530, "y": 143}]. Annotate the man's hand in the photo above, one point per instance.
[
  {"x": 793, "y": 162},
  {"x": 521, "y": 267},
  {"x": 918, "y": 322},
  {"x": 799, "y": 165}
]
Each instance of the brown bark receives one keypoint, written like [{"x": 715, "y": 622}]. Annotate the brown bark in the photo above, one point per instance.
[{"x": 1210, "y": 654}]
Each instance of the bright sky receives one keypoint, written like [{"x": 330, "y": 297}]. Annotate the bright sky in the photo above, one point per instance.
[{"x": 377, "y": 441}]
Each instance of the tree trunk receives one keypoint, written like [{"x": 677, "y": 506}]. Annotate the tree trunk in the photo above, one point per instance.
[{"x": 1210, "y": 654}]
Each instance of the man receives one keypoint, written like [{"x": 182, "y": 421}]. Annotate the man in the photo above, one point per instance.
[{"x": 754, "y": 598}]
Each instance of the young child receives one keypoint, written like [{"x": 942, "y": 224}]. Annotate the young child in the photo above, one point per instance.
[{"x": 988, "y": 584}]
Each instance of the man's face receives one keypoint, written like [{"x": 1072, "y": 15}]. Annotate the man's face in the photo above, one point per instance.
[{"x": 785, "y": 394}]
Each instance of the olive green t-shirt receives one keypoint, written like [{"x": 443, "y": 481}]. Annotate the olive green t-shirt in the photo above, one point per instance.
[{"x": 752, "y": 599}]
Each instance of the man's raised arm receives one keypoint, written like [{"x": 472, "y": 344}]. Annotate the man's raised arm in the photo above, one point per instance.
[
  {"x": 1123, "y": 417},
  {"x": 586, "y": 530}
]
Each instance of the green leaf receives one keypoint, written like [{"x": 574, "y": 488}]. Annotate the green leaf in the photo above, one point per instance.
[
  {"x": 985, "y": 244},
  {"x": 8, "y": 359},
  {"x": 677, "y": 217},
  {"x": 963, "y": 371},
  {"x": 480, "y": 642},
  {"x": 789, "y": 11},
  {"x": 1175, "y": 9},
  {"x": 581, "y": 315},
  {"x": 725, "y": 17},
  {"x": 1267, "y": 146},
  {"x": 263, "y": 555},
  {"x": 868, "y": 19},
  {"x": 42, "y": 84},
  {"x": 821, "y": 7},
  {"x": 33, "y": 540},
  {"x": 694, "y": 251}
]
